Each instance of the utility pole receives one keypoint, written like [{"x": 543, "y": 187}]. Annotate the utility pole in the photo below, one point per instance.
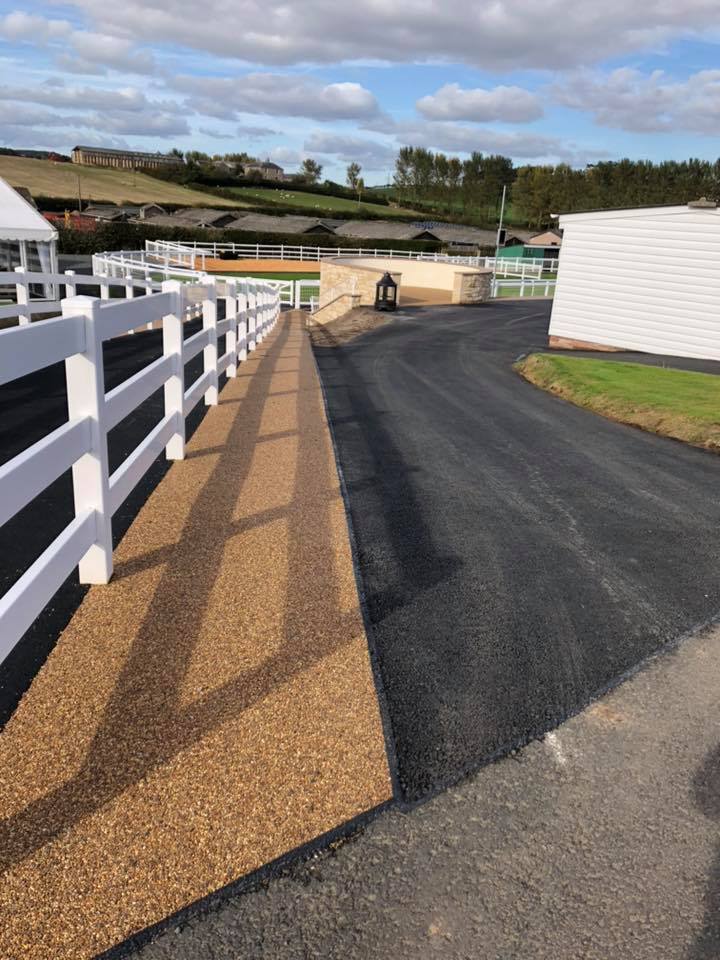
[
  {"x": 502, "y": 214},
  {"x": 79, "y": 195},
  {"x": 497, "y": 239}
]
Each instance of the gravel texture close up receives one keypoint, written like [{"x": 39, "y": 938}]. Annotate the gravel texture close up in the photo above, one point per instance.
[{"x": 213, "y": 707}]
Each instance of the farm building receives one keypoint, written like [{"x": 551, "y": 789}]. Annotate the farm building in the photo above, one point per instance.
[
  {"x": 265, "y": 170},
  {"x": 640, "y": 279},
  {"x": 126, "y": 159},
  {"x": 383, "y": 230},
  {"x": 266, "y": 223}
]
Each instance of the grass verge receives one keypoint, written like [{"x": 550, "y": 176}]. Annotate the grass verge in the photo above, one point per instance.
[
  {"x": 670, "y": 403},
  {"x": 315, "y": 205}
]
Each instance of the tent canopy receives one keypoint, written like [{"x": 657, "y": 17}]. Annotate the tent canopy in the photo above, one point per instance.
[{"x": 21, "y": 221}]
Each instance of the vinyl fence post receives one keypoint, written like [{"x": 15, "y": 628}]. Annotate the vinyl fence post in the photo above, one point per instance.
[
  {"x": 174, "y": 387},
  {"x": 70, "y": 286},
  {"x": 210, "y": 352},
  {"x": 129, "y": 290},
  {"x": 91, "y": 473},
  {"x": 231, "y": 314},
  {"x": 260, "y": 321},
  {"x": 252, "y": 317},
  {"x": 242, "y": 309},
  {"x": 22, "y": 295}
]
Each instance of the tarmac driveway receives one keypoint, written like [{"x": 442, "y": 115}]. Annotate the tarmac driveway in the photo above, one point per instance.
[{"x": 518, "y": 554}]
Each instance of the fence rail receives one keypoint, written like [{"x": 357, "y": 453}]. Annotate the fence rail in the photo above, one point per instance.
[
  {"x": 80, "y": 444},
  {"x": 191, "y": 254}
]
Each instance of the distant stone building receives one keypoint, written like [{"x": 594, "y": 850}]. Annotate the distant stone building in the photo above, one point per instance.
[
  {"x": 128, "y": 159},
  {"x": 265, "y": 169}
]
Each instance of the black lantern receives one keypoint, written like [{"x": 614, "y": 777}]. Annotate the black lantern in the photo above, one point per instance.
[{"x": 386, "y": 293}]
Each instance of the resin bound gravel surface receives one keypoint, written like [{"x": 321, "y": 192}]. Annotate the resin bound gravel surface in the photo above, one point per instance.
[
  {"x": 211, "y": 708},
  {"x": 518, "y": 554}
]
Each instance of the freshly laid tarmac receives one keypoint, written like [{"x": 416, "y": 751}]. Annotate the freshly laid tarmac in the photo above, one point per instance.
[
  {"x": 212, "y": 707},
  {"x": 518, "y": 554}
]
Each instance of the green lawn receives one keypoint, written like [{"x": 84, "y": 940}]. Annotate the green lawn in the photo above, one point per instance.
[
  {"x": 672, "y": 403},
  {"x": 314, "y": 204},
  {"x": 269, "y": 276}
]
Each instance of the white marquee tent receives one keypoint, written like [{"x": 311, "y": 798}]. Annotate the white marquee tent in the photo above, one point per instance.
[{"x": 27, "y": 239}]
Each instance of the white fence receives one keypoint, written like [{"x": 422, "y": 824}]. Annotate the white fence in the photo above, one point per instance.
[
  {"x": 525, "y": 287},
  {"x": 24, "y": 308},
  {"x": 156, "y": 266},
  {"x": 193, "y": 254},
  {"x": 251, "y": 310}
]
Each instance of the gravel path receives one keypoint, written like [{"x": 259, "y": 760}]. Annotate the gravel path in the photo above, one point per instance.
[{"x": 213, "y": 707}]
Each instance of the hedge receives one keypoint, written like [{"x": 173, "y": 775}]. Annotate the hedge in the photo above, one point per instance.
[{"x": 132, "y": 236}]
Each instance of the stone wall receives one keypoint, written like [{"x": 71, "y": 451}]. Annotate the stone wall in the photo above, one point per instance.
[
  {"x": 336, "y": 308},
  {"x": 472, "y": 286},
  {"x": 335, "y": 274}
]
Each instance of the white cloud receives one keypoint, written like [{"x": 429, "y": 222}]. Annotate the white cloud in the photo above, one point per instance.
[
  {"x": 256, "y": 133},
  {"x": 373, "y": 155},
  {"x": 126, "y": 111},
  {"x": 19, "y": 25},
  {"x": 108, "y": 51},
  {"x": 521, "y": 146},
  {"x": 647, "y": 103},
  {"x": 57, "y": 94},
  {"x": 276, "y": 95},
  {"x": 508, "y": 104},
  {"x": 490, "y": 35},
  {"x": 286, "y": 156}
]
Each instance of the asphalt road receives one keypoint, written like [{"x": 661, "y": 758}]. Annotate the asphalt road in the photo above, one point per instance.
[{"x": 518, "y": 554}]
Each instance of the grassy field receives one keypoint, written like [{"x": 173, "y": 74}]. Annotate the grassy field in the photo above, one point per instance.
[
  {"x": 44, "y": 178},
  {"x": 671, "y": 403},
  {"x": 268, "y": 276},
  {"x": 314, "y": 204}
]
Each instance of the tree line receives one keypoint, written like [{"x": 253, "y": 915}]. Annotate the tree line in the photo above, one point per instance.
[{"x": 473, "y": 187}]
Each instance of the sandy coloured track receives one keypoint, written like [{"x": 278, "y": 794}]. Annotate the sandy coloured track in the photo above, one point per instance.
[
  {"x": 258, "y": 266},
  {"x": 213, "y": 706}
]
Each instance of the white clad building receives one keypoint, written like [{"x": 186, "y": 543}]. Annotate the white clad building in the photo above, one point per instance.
[{"x": 643, "y": 279}]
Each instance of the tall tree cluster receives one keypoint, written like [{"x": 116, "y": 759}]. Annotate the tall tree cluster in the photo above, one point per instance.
[{"x": 474, "y": 186}]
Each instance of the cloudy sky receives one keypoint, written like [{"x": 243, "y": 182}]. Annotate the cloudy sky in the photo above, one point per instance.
[{"x": 342, "y": 80}]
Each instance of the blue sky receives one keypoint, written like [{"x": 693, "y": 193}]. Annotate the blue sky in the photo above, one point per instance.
[{"x": 562, "y": 81}]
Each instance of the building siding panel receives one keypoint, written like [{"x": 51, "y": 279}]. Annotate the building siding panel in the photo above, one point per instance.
[{"x": 648, "y": 283}]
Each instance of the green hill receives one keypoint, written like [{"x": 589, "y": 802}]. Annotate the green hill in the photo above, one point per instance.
[
  {"x": 48, "y": 179},
  {"x": 315, "y": 204}
]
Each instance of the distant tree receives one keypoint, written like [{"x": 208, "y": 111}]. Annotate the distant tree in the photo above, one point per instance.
[
  {"x": 176, "y": 153},
  {"x": 353, "y": 175},
  {"x": 239, "y": 157},
  {"x": 310, "y": 170},
  {"x": 197, "y": 156}
]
